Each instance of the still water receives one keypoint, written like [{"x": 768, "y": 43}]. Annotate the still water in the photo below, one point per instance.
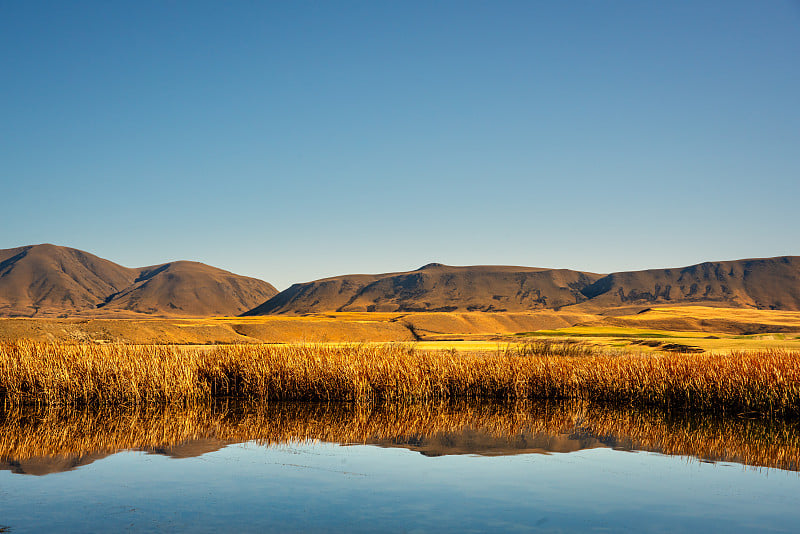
[{"x": 419, "y": 468}]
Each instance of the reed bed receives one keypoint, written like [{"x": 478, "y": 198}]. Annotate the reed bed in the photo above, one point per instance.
[
  {"x": 42, "y": 435},
  {"x": 765, "y": 382}
]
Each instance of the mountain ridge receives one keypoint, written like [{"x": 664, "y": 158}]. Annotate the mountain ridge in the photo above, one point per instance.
[
  {"x": 49, "y": 280},
  {"x": 761, "y": 283},
  {"x": 53, "y": 281},
  {"x": 435, "y": 287}
]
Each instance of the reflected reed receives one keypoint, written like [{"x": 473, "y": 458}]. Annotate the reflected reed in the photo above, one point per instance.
[{"x": 39, "y": 432}]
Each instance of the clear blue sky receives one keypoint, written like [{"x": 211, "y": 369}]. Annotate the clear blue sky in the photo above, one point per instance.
[{"x": 292, "y": 141}]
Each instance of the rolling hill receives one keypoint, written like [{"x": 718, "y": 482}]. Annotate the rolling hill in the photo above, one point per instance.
[
  {"x": 762, "y": 283},
  {"x": 189, "y": 288},
  {"x": 766, "y": 283},
  {"x": 435, "y": 287},
  {"x": 51, "y": 281}
]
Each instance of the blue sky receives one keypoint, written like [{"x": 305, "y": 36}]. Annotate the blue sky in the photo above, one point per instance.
[{"x": 292, "y": 141}]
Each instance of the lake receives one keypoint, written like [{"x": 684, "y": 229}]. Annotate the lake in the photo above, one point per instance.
[{"x": 550, "y": 467}]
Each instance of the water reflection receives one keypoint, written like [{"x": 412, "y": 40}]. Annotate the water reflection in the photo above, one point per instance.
[{"x": 44, "y": 440}]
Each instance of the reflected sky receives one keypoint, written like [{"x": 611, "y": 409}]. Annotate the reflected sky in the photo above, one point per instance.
[{"x": 467, "y": 474}]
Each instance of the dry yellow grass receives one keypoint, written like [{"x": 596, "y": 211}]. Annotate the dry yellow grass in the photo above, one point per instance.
[
  {"x": 710, "y": 329},
  {"x": 331, "y": 327},
  {"x": 765, "y": 382},
  {"x": 682, "y": 315},
  {"x": 720, "y": 330},
  {"x": 628, "y": 337},
  {"x": 47, "y": 431}
]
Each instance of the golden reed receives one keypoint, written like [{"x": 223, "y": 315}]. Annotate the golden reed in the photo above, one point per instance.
[
  {"x": 765, "y": 382},
  {"x": 28, "y": 433}
]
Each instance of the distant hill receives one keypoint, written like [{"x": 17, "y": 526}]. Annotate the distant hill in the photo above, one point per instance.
[
  {"x": 768, "y": 283},
  {"x": 49, "y": 281},
  {"x": 436, "y": 287},
  {"x": 189, "y": 288},
  {"x": 763, "y": 283},
  {"x": 53, "y": 281}
]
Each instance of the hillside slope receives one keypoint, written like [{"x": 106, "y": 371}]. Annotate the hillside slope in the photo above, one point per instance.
[
  {"x": 190, "y": 288},
  {"x": 48, "y": 280},
  {"x": 435, "y": 287},
  {"x": 51, "y": 281},
  {"x": 763, "y": 283}
]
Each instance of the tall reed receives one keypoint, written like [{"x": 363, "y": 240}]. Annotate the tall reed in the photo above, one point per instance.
[{"x": 766, "y": 382}]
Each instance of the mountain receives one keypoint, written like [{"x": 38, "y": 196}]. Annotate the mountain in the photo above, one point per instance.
[
  {"x": 435, "y": 287},
  {"x": 53, "y": 281},
  {"x": 46, "y": 279},
  {"x": 765, "y": 283},
  {"x": 49, "y": 280},
  {"x": 189, "y": 288}
]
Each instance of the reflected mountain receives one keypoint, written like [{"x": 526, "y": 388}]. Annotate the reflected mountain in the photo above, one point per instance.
[
  {"x": 46, "y": 465},
  {"x": 44, "y": 440},
  {"x": 471, "y": 441}
]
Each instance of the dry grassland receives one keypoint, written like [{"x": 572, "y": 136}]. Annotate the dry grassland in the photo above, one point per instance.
[
  {"x": 315, "y": 328},
  {"x": 709, "y": 329}
]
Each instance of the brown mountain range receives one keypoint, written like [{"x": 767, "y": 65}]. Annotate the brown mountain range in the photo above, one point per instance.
[
  {"x": 762, "y": 283},
  {"x": 50, "y": 281},
  {"x": 435, "y": 287},
  {"x": 767, "y": 283},
  {"x": 53, "y": 281}
]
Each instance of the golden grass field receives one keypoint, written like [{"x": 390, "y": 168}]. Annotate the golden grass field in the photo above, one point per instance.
[
  {"x": 718, "y": 330},
  {"x": 715, "y": 359},
  {"x": 765, "y": 382}
]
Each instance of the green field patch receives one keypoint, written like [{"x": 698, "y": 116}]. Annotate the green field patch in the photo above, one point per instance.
[{"x": 617, "y": 333}]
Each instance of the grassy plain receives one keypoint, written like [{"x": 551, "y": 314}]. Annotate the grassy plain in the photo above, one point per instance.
[
  {"x": 709, "y": 329},
  {"x": 719, "y": 330},
  {"x": 655, "y": 340}
]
